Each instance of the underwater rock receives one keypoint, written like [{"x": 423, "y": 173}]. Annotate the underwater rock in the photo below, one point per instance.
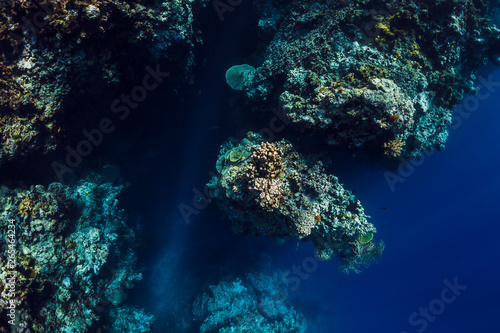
[
  {"x": 71, "y": 253},
  {"x": 55, "y": 54},
  {"x": 272, "y": 191},
  {"x": 256, "y": 303},
  {"x": 383, "y": 75}
]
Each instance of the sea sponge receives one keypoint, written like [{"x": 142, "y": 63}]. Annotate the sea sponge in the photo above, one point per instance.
[{"x": 235, "y": 76}]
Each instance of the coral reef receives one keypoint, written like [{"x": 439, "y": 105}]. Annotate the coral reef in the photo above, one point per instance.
[
  {"x": 270, "y": 190},
  {"x": 383, "y": 75},
  {"x": 129, "y": 319},
  {"x": 54, "y": 53},
  {"x": 72, "y": 257},
  {"x": 256, "y": 303}
]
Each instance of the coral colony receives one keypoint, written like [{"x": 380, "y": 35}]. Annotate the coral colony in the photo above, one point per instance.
[
  {"x": 268, "y": 189},
  {"x": 376, "y": 75}
]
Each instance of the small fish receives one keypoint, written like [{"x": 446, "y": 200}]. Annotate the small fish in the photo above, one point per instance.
[
  {"x": 213, "y": 128},
  {"x": 297, "y": 247},
  {"x": 383, "y": 208}
]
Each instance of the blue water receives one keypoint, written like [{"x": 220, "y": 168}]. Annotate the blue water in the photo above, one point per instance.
[{"x": 441, "y": 223}]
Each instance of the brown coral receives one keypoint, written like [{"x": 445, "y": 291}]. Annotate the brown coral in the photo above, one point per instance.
[
  {"x": 269, "y": 192},
  {"x": 267, "y": 161},
  {"x": 263, "y": 176},
  {"x": 393, "y": 147}
]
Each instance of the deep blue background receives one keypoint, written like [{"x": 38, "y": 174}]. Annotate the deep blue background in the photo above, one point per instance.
[{"x": 441, "y": 223}]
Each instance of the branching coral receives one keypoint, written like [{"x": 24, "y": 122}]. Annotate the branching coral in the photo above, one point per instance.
[{"x": 236, "y": 76}]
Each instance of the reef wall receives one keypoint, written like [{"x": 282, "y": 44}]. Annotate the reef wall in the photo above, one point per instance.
[
  {"x": 68, "y": 261},
  {"x": 382, "y": 75},
  {"x": 55, "y": 54}
]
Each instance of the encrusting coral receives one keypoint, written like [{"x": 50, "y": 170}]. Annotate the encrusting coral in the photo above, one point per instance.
[{"x": 273, "y": 192}]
